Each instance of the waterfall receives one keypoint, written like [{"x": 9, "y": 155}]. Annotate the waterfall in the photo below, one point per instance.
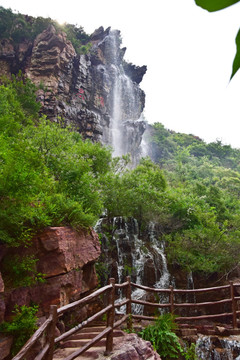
[
  {"x": 218, "y": 348},
  {"x": 135, "y": 256},
  {"x": 125, "y": 100}
]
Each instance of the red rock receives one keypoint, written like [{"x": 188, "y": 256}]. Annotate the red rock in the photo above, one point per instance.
[
  {"x": 67, "y": 258},
  {"x": 131, "y": 347},
  {"x": 2, "y": 308},
  {"x": 62, "y": 249},
  {"x": 5, "y": 346},
  {"x": 1, "y": 284}
]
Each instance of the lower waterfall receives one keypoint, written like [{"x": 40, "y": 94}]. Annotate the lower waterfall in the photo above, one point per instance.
[
  {"x": 126, "y": 253},
  {"x": 217, "y": 348}
]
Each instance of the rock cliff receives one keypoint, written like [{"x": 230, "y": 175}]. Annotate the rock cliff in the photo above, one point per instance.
[
  {"x": 66, "y": 257},
  {"x": 98, "y": 93}
]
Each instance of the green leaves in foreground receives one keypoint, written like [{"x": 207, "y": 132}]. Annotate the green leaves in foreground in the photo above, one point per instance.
[
  {"x": 236, "y": 61},
  {"x": 215, "y": 5}
]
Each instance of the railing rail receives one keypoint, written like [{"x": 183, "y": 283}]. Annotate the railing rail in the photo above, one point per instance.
[{"x": 46, "y": 332}]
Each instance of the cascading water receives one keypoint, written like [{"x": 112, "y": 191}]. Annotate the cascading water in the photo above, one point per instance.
[
  {"x": 134, "y": 255},
  {"x": 125, "y": 101},
  {"x": 218, "y": 348}
]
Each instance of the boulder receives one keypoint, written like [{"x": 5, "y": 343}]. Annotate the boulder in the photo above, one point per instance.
[{"x": 131, "y": 347}]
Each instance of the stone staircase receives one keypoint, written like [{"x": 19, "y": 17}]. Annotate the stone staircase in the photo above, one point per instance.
[
  {"x": 81, "y": 338},
  {"x": 191, "y": 330}
]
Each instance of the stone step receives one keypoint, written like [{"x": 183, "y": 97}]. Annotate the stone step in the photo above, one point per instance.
[
  {"x": 92, "y": 353},
  {"x": 80, "y": 343},
  {"x": 234, "y": 331},
  {"x": 187, "y": 326},
  {"x": 81, "y": 338},
  {"x": 88, "y": 335},
  {"x": 90, "y": 329},
  {"x": 188, "y": 332}
]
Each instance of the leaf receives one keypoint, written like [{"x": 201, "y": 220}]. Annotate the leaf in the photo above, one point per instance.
[
  {"x": 236, "y": 61},
  {"x": 215, "y": 5}
]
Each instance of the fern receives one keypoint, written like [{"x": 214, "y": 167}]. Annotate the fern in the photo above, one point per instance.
[{"x": 162, "y": 337}]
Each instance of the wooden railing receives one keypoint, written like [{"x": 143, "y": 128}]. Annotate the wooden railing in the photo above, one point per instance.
[{"x": 46, "y": 333}]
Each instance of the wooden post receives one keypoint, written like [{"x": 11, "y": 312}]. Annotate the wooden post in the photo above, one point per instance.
[
  {"x": 171, "y": 300},
  {"x": 110, "y": 318},
  {"x": 129, "y": 304},
  {"x": 234, "y": 314},
  {"x": 51, "y": 332}
]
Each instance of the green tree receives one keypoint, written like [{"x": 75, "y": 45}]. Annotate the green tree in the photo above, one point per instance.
[{"x": 137, "y": 193}]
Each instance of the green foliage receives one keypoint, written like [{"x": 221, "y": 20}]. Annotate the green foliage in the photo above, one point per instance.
[
  {"x": 236, "y": 61},
  {"x": 201, "y": 202},
  {"x": 135, "y": 193},
  {"x": 78, "y": 38},
  {"x": 164, "y": 340},
  {"x": 22, "y": 326},
  {"x": 49, "y": 176},
  {"x": 215, "y": 5},
  {"x": 163, "y": 337},
  {"x": 190, "y": 352},
  {"x": 20, "y": 271},
  {"x": 19, "y": 27}
]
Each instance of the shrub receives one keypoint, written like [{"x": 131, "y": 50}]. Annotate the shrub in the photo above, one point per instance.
[
  {"x": 21, "y": 327},
  {"x": 163, "y": 338}
]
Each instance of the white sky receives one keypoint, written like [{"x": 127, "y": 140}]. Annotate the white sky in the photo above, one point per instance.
[{"x": 188, "y": 52}]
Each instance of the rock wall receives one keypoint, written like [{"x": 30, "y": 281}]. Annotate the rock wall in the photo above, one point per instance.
[
  {"x": 66, "y": 258},
  {"x": 81, "y": 90}
]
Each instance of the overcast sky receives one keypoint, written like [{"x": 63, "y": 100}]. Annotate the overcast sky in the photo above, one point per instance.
[{"x": 188, "y": 53}]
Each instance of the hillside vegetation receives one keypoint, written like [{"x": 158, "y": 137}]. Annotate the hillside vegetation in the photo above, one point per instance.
[{"x": 204, "y": 182}]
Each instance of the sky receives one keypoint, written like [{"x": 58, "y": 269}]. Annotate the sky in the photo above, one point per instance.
[{"x": 188, "y": 53}]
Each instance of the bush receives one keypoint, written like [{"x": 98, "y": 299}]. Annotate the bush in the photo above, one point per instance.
[
  {"x": 22, "y": 326},
  {"x": 165, "y": 341},
  {"x": 163, "y": 338}
]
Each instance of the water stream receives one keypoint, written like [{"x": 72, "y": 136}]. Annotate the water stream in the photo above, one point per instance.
[
  {"x": 143, "y": 260},
  {"x": 125, "y": 101}
]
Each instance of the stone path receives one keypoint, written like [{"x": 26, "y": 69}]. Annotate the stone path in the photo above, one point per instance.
[{"x": 76, "y": 341}]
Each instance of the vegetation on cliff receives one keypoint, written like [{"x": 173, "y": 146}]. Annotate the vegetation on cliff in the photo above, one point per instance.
[
  {"x": 48, "y": 175},
  {"x": 18, "y": 27}
]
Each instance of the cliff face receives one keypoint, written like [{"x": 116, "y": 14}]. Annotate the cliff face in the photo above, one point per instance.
[
  {"x": 91, "y": 92},
  {"x": 66, "y": 258}
]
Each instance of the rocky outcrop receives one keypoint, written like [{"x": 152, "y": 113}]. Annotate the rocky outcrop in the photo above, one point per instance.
[
  {"x": 66, "y": 257},
  {"x": 91, "y": 92},
  {"x": 132, "y": 347},
  {"x": 135, "y": 73}
]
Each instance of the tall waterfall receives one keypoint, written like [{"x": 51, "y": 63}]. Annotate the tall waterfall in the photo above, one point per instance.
[{"x": 124, "y": 100}]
